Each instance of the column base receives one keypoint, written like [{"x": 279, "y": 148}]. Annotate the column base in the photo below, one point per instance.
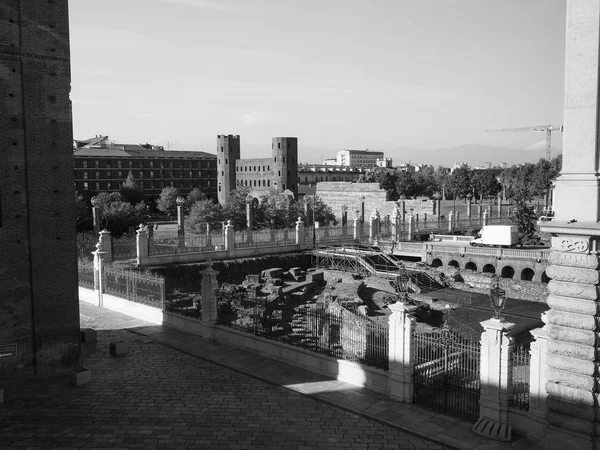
[{"x": 493, "y": 430}]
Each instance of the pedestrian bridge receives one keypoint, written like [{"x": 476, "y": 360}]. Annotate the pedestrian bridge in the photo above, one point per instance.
[{"x": 455, "y": 251}]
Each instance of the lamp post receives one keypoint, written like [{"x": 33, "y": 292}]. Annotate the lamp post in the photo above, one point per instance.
[
  {"x": 96, "y": 215},
  {"x": 497, "y": 298},
  {"x": 438, "y": 199},
  {"x": 402, "y": 284}
]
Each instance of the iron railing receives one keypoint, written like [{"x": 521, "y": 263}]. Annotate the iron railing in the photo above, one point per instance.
[
  {"x": 446, "y": 375},
  {"x": 138, "y": 287},
  {"x": 124, "y": 247},
  {"x": 521, "y": 369},
  {"x": 327, "y": 329}
]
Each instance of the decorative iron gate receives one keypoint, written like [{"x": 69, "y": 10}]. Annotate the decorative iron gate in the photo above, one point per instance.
[{"x": 446, "y": 376}]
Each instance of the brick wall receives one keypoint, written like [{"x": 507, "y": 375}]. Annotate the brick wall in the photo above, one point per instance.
[
  {"x": 346, "y": 194},
  {"x": 39, "y": 310}
]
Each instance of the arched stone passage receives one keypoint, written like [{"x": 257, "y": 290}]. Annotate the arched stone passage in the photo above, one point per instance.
[
  {"x": 488, "y": 268},
  {"x": 527, "y": 274},
  {"x": 454, "y": 263},
  {"x": 436, "y": 263},
  {"x": 507, "y": 272},
  {"x": 545, "y": 277},
  {"x": 471, "y": 266}
]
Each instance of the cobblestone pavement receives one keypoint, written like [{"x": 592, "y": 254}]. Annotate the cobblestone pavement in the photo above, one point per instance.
[{"x": 158, "y": 397}]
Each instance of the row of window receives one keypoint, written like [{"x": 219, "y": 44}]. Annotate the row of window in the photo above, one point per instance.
[
  {"x": 265, "y": 183},
  {"x": 160, "y": 174},
  {"x": 110, "y": 186},
  {"x": 149, "y": 164},
  {"x": 340, "y": 178},
  {"x": 252, "y": 169}
]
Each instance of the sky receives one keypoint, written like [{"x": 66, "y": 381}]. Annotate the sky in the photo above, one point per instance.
[{"x": 376, "y": 74}]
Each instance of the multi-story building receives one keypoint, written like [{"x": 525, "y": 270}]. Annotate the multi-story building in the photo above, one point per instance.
[
  {"x": 39, "y": 304},
  {"x": 279, "y": 172},
  {"x": 104, "y": 166},
  {"x": 360, "y": 158}
]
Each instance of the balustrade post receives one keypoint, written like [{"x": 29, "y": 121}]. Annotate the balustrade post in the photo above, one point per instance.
[
  {"x": 537, "y": 377},
  {"x": 141, "y": 241},
  {"x": 401, "y": 352},
  {"x": 210, "y": 285},
  {"x": 300, "y": 232},
  {"x": 495, "y": 378}
]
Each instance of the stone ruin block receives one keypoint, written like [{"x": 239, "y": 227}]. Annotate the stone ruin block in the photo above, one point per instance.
[
  {"x": 316, "y": 277},
  {"x": 297, "y": 274},
  {"x": 253, "y": 279},
  {"x": 274, "y": 272},
  {"x": 119, "y": 348},
  {"x": 276, "y": 281}
]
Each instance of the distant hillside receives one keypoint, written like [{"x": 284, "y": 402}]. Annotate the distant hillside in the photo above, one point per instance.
[{"x": 472, "y": 154}]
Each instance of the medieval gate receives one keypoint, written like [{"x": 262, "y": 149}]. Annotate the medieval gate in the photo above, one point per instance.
[{"x": 446, "y": 375}]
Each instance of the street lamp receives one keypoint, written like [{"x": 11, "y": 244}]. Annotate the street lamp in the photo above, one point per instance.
[
  {"x": 497, "y": 297},
  {"x": 402, "y": 284},
  {"x": 438, "y": 198}
]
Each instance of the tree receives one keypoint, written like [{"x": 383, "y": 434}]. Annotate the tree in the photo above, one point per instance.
[
  {"x": 323, "y": 212},
  {"x": 459, "y": 182},
  {"x": 234, "y": 208},
  {"x": 525, "y": 220},
  {"x": 386, "y": 178},
  {"x": 281, "y": 210},
  {"x": 83, "y": 213},
  {"x": 406, "y": 185},
  {"x": 167, "y": 202},
  {"x": 117, "y": 215},
  {"x": 486, "y": 183},
  {"x": 204, "y": 212},
  {"x": 131, "y": 191},
  {"x": 194, "y": 196}
]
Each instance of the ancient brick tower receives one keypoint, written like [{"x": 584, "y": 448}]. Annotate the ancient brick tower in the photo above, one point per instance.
[
  {"x": 228, "y": 152},
  {"x": 285, "y": 163},
  {"x": 39, "y": 309}
]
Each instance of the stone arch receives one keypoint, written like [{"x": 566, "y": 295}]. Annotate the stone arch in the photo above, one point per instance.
[
  {"x": 545, "y": 278},
  {"x": 507, "y": 272},
  {"x": 454, "y": 263},
  {"x": 489, "y": 268},
  {"x": 471, "y": 266},
  {"x": 437, "y": 263},
  {"x": 527, "y": 274}
]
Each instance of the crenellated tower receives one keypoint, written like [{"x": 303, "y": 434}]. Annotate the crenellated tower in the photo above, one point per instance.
[
  {"x": 228, "y": 151},
  {"x": 285, "y": 164}
]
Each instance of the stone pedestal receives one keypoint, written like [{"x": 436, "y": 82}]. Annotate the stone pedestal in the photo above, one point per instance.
[
  {"x": 105, "y": 240},
  {"x": 401, "y": 356},
  {"x": 496, "y": 377},
  {"x": 538, "y": 380},
  {"x": 142, "y": 245}
]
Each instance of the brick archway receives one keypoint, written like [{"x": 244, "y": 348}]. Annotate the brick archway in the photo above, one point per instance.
[
  {"x": 471, "y": 266},
  {"x": 437, "y": 263},
  {"x": 527, "y": 274},
  {"x": 454, "y": 263},
  {"x": 489, "y": 268},
  {"x": 507, "y": 272}
]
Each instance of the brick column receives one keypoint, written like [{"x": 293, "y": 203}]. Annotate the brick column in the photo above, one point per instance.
[
  {"x": 142, "y": 245},
  {"x": 401, "y": 357},
  {"x": 496, "y": 377},
  {"x": 300, "y": 232},
  {"x": 210, "y": 285}
]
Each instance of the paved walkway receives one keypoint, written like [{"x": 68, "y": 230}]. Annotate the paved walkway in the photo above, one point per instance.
[{"x": 178, "y": 391}]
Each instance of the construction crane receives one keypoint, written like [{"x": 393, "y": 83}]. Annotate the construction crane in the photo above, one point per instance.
[{"x": 547, "y": 128}]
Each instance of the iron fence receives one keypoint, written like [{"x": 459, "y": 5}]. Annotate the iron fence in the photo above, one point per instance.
[
  {"x": 521, "y": 367},
  {"x": 124, "y": 247},
  {"x": 138, "y": 287},
  {"x": 326, "y": 329},
  {"x": 86, "y": 244},
  {"x": 446, "y": 375},
  {"x": 85, "y": 274}
]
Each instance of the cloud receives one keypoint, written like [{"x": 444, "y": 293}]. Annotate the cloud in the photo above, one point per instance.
[
  {"x": 540, "y": 145},
  {"x": 90, "y": 102},
  {"x": 255, "y": 118}
]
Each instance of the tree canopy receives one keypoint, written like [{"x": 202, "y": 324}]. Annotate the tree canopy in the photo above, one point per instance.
[{"x": 167, "y": 202}]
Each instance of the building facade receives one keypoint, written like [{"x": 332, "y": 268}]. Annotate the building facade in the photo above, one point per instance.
[
  {"x": 361, "y": 158},
  {"x": 104, "y": 167},
  {"x": 279, "y": 172},
  {"x": 39, "y": 304},
  {"x": 311, "y": 174}
]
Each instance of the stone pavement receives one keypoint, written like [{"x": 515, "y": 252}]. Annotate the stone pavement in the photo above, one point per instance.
[{"x": 175, "y": 390}]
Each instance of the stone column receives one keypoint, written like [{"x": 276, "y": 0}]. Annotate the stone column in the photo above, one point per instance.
[
  {"x": 401, "y": 355},
  {"x": 485, "y": 218},
  {"x": 105, "y": 240},
  {"x": 357, "y": 228},
  {"x": 142, "y": 245},
  {"x": 496, "y": 377},
  {"x": 538, "y": 379},
  {"x": 300, "y": 231},
  {"x": 469, "y": 207},
  {"x": 210, "y": 285},
  {"x": 573, "y": 374},
  {"x": 397, "y": 225},
  {"x": 411, "y": 227},
  {"x": 249, "y": 215},
  {"x": 229, "y": 236},
  {"x": 499, "y": 206},
  {"x": 96, "y": 220},
  {"x": 450, "y": 220},
  {"x": 99, "y": 272},
  {"x": 180, "y": 227},
  {"x": 374, "y": 225},
  {"x": 208, "y": 236}
]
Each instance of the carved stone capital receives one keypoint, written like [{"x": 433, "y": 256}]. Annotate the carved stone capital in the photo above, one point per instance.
[{"x": 571, "y": 243}]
